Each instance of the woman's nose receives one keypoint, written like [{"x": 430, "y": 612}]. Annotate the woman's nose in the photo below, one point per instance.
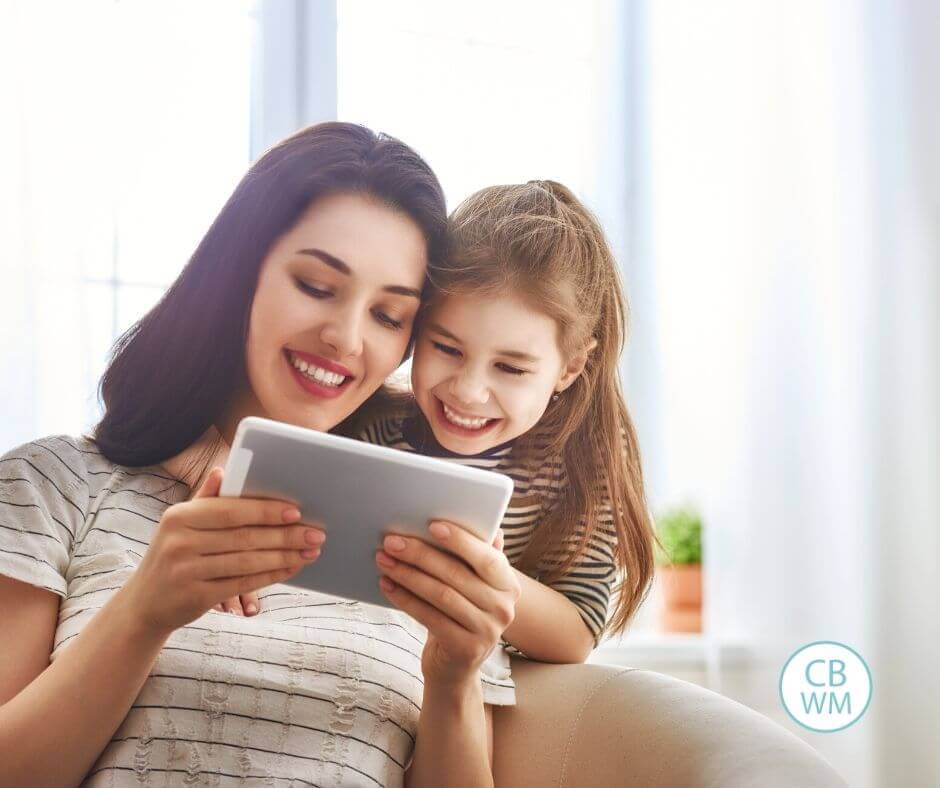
[
  {"x": 469, "y": 388},
  {"x": 343, "y": 333}
]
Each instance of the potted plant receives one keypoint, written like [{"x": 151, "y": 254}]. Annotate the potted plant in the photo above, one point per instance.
[{"x": 679, "y": 569}]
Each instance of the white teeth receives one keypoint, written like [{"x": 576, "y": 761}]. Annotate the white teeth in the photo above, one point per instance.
[
  {"x": 460, "y": 421},
  {"x": 318, "y": 374}
]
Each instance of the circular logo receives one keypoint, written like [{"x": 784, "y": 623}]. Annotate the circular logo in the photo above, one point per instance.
[{"x": 825, "y": 686}]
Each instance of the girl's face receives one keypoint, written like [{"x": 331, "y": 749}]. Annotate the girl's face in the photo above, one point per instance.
[
  {"x": 484, "y": 370},
  {"x": 332, "y": 313}
]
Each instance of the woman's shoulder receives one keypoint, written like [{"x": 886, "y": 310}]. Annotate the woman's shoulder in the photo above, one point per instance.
[
  {"x": 52, "y": 456},
  {"x": 72, "y": 465}
]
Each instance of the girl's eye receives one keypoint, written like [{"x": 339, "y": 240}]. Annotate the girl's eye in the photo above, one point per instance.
[
  {"x": 450, "y": 351},
  {"x": 385, "y": 320},
  {"x": 512, "y": 370},
  {"x": 316, "y": 292}
]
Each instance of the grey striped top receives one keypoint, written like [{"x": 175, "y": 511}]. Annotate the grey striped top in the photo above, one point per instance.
[
  {"x": 588, "y": 584},
  {"x": 317, "y": 689}
]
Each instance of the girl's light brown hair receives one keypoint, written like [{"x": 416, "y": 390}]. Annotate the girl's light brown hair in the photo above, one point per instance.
[{"x": 537, "y": 241}]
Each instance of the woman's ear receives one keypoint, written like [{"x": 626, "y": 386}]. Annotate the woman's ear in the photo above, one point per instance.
[{"x": 574, "y": 367}]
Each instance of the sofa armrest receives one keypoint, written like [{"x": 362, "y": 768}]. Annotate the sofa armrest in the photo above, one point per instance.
[{"x": 596, "y": 725}]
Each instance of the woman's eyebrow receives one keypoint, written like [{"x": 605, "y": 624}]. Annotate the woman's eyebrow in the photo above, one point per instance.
[
  {"x": 517, "y": 354},
  {"x": 338, "y": 265}
]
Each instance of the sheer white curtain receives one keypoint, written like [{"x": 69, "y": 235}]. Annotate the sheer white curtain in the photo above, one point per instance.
[
  {"x": 124, "y": 127},
  {"x": 793, "y": 240}
]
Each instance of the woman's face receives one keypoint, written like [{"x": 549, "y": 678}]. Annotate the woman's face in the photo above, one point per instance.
[{"x": 332, "y": 313}]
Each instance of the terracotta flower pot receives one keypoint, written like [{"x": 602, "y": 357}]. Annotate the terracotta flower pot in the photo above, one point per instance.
[{"x": 681, "y": 587}]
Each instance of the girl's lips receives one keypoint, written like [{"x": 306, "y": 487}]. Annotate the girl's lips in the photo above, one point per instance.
[
  {"x": 313, "y": 387},
  {"x": 456, "y": 429}
]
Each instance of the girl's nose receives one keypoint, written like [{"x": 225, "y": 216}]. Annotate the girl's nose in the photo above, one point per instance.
[{"x": 469, "y": 388}]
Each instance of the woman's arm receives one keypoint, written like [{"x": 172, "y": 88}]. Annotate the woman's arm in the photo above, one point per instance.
[
  {"x": 548, "y": 626},
  {"x": 466, "y": 605},
  {"x": 54, "y": 729},
  {"x": 451, "y": 745}
]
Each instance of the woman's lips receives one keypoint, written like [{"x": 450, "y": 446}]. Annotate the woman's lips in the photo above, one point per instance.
[
  {"x": 319, "y": 361},
  {"x": 456, "y": 429},
  {"x": 312, "y": 387}
]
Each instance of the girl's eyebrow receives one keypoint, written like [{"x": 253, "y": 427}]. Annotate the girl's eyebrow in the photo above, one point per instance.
[
  {"x": 338, "y": 265},
  {"x": 516, "y": 354}
]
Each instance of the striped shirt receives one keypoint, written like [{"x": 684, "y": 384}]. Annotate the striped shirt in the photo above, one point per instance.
[
  {"x": 314, "y": 688},
  {"x": 588, "y": 583}
]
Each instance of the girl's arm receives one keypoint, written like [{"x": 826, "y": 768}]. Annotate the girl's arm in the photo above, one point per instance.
[{"x": 548, "y": 626}]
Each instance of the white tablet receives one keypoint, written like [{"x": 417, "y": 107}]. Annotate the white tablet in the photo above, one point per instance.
[{"x": 358, "y": 492}]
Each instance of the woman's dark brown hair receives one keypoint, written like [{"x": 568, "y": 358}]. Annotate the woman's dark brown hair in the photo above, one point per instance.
[{"x": 173, "y": 372}]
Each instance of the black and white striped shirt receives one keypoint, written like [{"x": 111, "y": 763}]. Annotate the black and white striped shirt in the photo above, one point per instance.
[
  {"x": 314, "y": 688},
  {"x": 588, "y": 583}
]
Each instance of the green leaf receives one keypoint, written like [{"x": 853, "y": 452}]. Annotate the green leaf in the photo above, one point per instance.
[{"x": 680, "y": 532}]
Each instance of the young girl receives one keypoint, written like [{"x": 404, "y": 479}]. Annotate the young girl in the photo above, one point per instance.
[{"x": 515, "y": 370}]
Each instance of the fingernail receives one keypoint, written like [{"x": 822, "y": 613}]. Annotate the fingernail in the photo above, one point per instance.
[
  {"x": 251, "y": 608},
  {"x": 394, "y": 543},
  {"x": 309, "y": 553},
  {"x": 439, "y": 530},
  {"x": 291, "y": 514},
  {"x": 386, "y": 584},
  {"x": 385, "y": 560},
  {"x": 313, "y": 536}
]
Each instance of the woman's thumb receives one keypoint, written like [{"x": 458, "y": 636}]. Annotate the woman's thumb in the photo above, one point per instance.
[{"x": 212, "y": 484}]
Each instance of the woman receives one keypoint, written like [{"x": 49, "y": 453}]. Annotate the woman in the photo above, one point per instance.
[{"x": 320, "y": 256}]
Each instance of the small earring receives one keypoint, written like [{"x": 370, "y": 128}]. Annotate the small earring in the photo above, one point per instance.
[{"x": 555, "y": 397}]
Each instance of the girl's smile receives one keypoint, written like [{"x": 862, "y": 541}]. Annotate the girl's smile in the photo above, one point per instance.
[{"x": 461, "y": 423}]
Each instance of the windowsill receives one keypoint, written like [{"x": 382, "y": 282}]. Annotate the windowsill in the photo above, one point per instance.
[{"x": 660, "y": 650}]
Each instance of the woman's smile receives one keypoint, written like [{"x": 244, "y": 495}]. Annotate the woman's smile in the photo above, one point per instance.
[{"x": 316, "y": 375}]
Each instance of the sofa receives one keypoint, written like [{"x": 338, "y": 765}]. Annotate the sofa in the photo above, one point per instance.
[{"x": 582, "y": 726}]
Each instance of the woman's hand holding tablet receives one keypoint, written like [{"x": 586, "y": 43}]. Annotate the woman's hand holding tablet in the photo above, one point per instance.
[
  {"x": 360, "y": 492},
  {"x": 461, "y": 588}
]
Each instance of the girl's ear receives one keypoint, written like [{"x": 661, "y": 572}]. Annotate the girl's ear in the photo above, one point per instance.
[{"x": 574, "y": 367}]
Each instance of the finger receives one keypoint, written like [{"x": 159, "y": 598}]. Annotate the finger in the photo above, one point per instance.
[
  {"x": 258, "y": 537},
  {"x": 231, "y": 605},
  {"x": 212, "y": 484},
  {"x": 446, "y": 567},
  {"x": 242, "y": 585},
  {"x": 228, "y": 565},
  {"x": 490, "y": 564},
  {"x": 219, "y": 607},
  {"x": 250, "y": 603},
  {"x": 443, "y": 627},
  {"x": 218, "y": 513},
  {"x": 445, "y": 598},
  {"x": 498, "y": 540}
]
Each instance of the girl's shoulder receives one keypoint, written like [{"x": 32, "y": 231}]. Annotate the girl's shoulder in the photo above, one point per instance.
[{"x": 384, "y": 422}]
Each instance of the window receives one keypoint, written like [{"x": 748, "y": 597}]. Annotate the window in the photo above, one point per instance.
[{"x": 125, "y": 145}]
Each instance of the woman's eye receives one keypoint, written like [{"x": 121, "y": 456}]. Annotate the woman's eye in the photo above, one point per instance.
[
  {"x": 450, "y": 351},
  {"x": 512, "y": 370},
  {"x": 385, "y": 320},
  {"x": 316, "y": 292}
]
